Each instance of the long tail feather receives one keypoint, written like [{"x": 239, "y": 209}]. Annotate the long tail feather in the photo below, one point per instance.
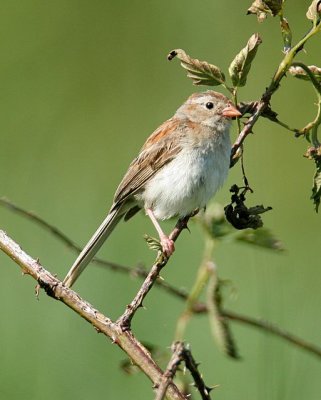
[{"x": 94, "y": 244}]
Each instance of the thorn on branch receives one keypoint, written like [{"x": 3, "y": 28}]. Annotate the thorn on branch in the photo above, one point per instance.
[
  {"x": 191, "y": 365},
  {"x": 169, "y": 373},
  {"x": 24, "y": 272},
  {"x": 37, "y": 291},
  {"x": 182, "y": 353},
  {"x": 124, "y": 320}
]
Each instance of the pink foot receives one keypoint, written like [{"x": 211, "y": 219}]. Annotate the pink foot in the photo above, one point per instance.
[{"x": 167, "y": 245}]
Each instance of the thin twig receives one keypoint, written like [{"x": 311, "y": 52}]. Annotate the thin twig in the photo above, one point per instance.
[
  {"x": 125, "y": 319},
  {"x": 191, "y": 365},
  {"x": 182, "y": 352},
  {"x": 198, "y": 308},
  {"x": 267, "y": 326},
  {"x": 169, "y": 373},
  {"x": 55, "y": 289},
  {"x": 56, "y": 232},
  {"x": 220, "y": 325},
  {"x": 60, "y": 235},
  {"x": 247, "y": 129}
]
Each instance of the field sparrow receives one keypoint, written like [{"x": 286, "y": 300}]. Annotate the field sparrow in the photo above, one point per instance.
[{"x": 179, "y": 168}]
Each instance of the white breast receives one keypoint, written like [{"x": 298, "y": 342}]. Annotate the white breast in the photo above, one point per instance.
[{"x": 189, "y": 180}]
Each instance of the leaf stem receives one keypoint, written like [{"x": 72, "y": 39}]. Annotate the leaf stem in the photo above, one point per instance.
[
  {"x": 288, "y": 58},
  {"x": 313, "y": 126},
  {"x": 274, "y": 85},
  {"x": 202, "y": 278}
]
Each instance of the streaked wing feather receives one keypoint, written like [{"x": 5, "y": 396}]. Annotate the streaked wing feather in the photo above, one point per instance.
[{"x": 157, "y": 151}]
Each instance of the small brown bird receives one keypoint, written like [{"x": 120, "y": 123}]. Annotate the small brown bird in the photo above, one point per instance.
[{"x": 179, "y": 168}]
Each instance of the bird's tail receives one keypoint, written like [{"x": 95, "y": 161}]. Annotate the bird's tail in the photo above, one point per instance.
[{"x": 94, "y": 244}]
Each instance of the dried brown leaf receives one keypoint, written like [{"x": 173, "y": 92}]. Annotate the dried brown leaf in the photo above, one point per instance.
[
  {"x": 299, "y": 72},
  {"x": 263, "y": 8},
  {"x": 314, "y": 10}
]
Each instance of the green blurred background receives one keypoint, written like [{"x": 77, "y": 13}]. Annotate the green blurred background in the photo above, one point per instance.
[{"x": 82, "y": 85}]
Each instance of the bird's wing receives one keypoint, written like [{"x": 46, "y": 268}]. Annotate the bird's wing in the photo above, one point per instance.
[{"x": 158, "y": 150}]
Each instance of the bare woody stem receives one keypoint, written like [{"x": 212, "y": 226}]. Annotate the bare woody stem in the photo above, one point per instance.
[
  {"x": 138, "y": 270},
  {"x": 55, "y": 231},
  {"x": 267, "y": 326},
  {"x": 54, "y": 288},
  {"x": 192, "y": 366},
  {"x": 197, "y": 308},
  {"x": 182, "y": 353},
  {"x": 170, "y": 371},
  {"x": 125, "y": 319}
]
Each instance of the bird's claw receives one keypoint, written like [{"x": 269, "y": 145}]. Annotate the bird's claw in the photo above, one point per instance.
[{"x": 168, "y": 245}]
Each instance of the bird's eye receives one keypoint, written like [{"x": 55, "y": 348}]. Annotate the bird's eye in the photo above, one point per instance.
[{"x": 209, "y": 105}]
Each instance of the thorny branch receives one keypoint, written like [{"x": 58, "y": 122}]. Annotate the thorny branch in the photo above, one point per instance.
[
  {"x": 182, "y": 353},
  {"x": 138, "y": 271},
  {"x": 267, "y": 326},
  {"x": 192, "y": 366},
  {"x": 169, "y": 373},
  {"x": 125, "y": 319},
  {"x": 198, "y": 307},
  {"x": 55, "y": 289},
  {"x": 119, "y": 332}
]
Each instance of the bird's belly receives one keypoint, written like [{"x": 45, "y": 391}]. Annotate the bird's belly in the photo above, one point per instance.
[{"x": 186, "y": 183}]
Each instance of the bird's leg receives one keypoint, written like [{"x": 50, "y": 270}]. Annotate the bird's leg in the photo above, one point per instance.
[{"x": 167, "y": 243}]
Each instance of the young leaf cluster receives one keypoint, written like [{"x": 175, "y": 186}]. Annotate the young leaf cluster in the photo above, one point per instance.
[{"x": 204, "y": 73}]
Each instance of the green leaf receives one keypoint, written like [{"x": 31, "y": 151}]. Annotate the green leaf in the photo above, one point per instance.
[
  {"x": 241, "y": 65},
  {"x": 260, "y": 237},
  {"x": 153, "y": 243},
  {"x": 201, "y": 72}
]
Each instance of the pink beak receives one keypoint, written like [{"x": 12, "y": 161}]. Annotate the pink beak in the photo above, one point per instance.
[{"x": 231, "y": 111}]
